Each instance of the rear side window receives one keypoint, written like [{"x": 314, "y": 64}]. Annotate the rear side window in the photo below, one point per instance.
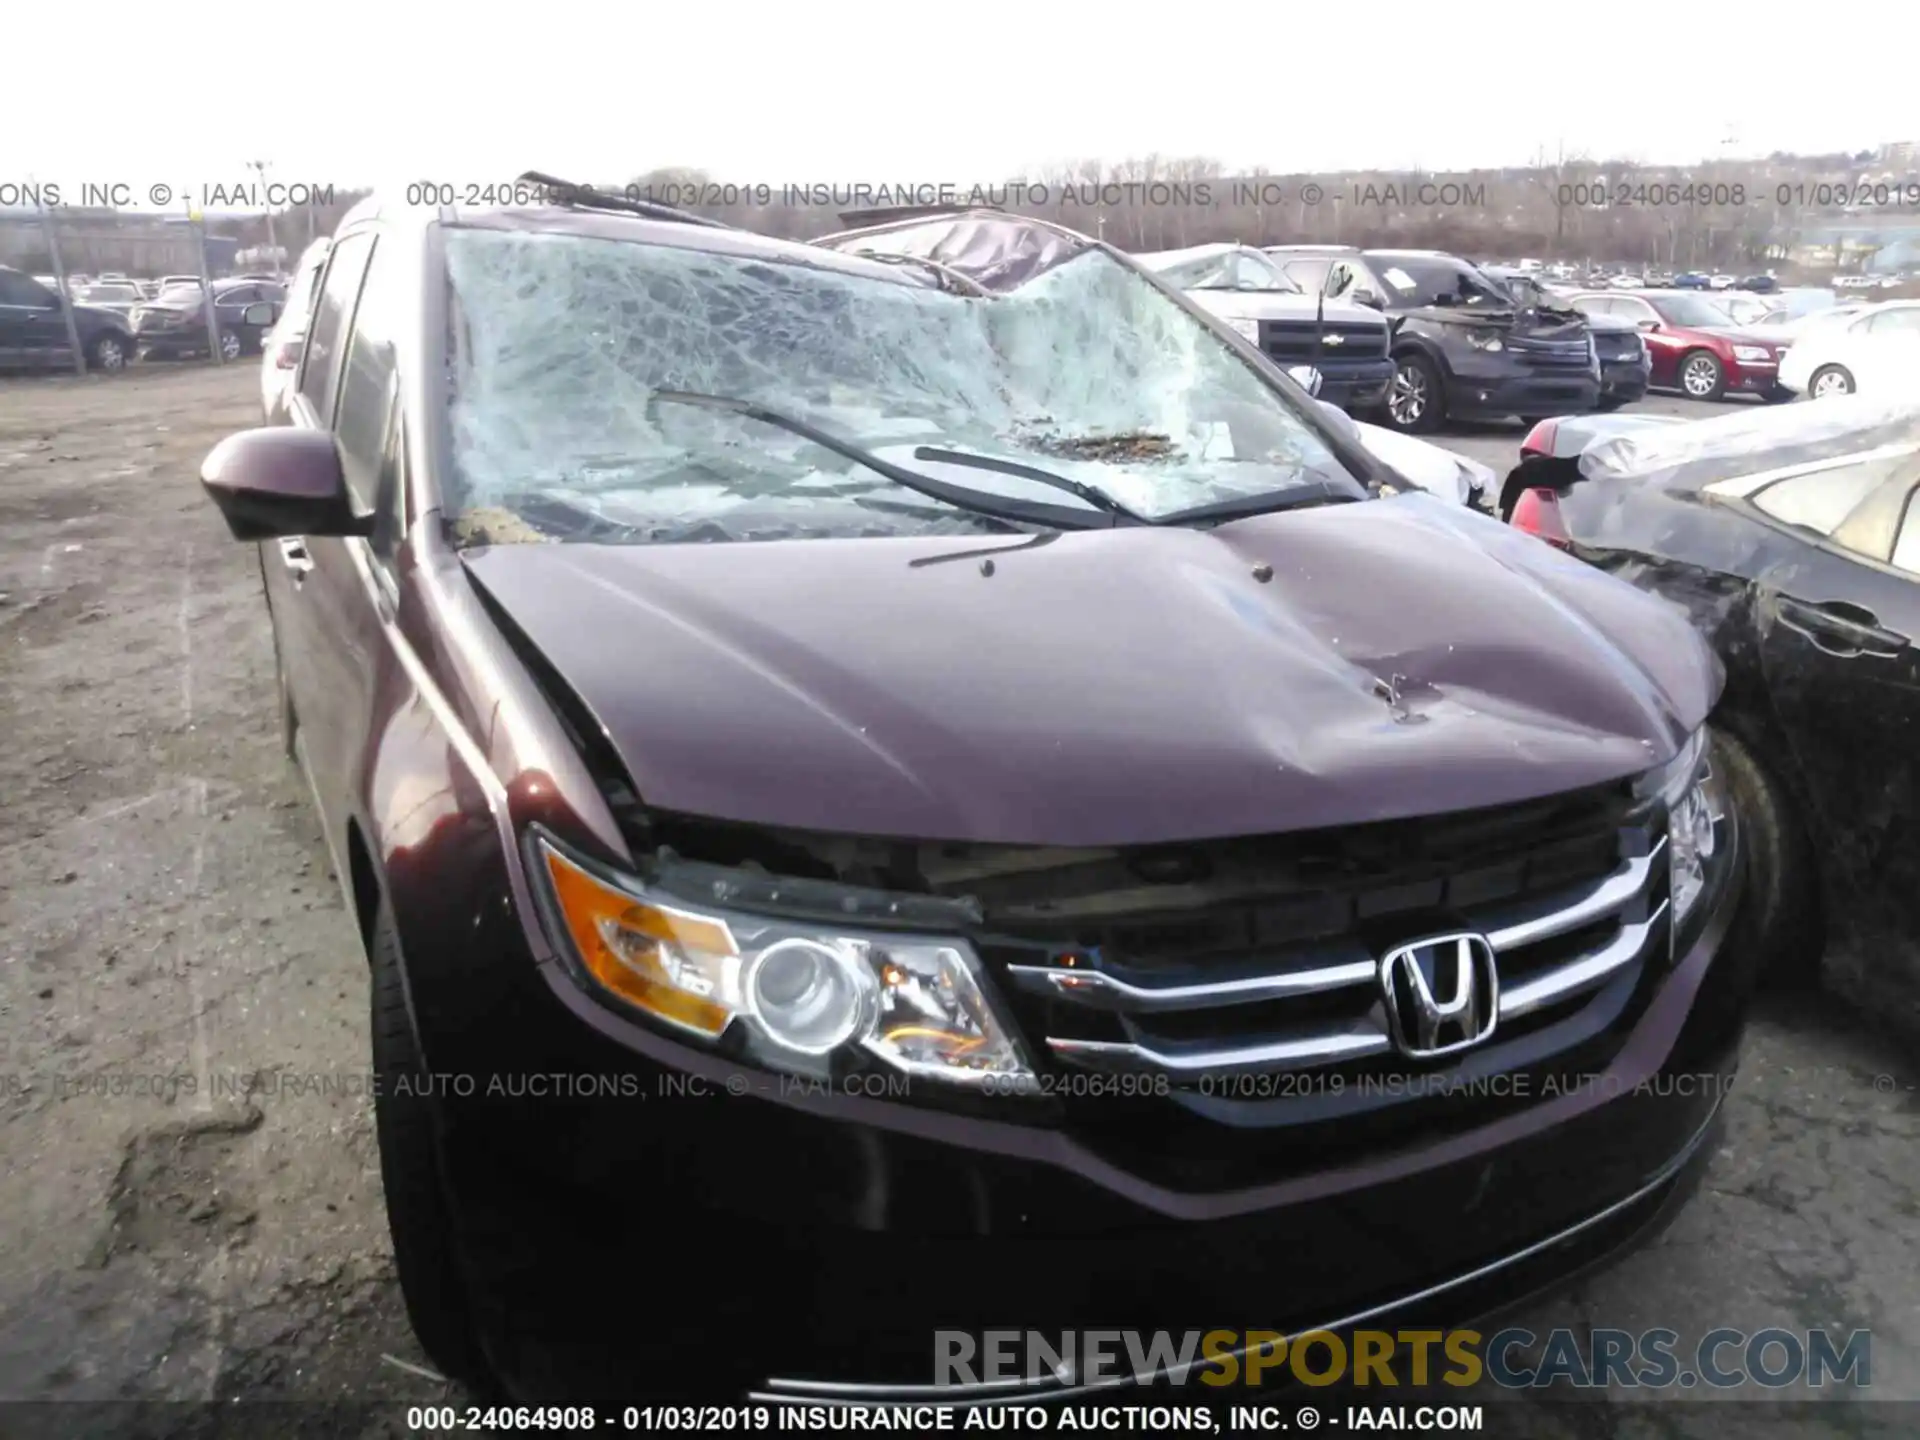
[
  {"x": 1906, "y": 548},
  {"x": 326, "y": 335},
  {"x": 19, "y": 290},
  {"x": 1823, "y": 500},
  {"x": 1894, "y": 322}
]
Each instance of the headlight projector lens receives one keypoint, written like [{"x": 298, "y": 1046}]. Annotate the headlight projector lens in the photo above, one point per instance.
[{"x": 806, "y": 997}]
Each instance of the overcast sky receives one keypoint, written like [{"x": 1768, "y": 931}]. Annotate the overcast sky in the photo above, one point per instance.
[{"x": 352, "y": 93}]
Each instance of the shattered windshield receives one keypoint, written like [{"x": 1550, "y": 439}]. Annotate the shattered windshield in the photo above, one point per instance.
[
  {"x": 1423, "y": 279},
  {"x": 563, "y": 349}
]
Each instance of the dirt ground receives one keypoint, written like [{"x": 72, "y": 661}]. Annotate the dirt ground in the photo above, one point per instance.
[{"x": 190, "y": 1187}]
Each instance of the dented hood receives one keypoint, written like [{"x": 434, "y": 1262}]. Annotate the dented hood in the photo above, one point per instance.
[{"x": 1112, "y": 687}]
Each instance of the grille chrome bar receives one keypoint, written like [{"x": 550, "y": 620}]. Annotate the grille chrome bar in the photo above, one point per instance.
[
  {"x": 1560, "y": 914},
  {"x": 1586, "y": 973},
  {"x": 1366, "y": 1037},
  {"x": 1110, "y": 992},
  {"x": 1629, "y": 901}
]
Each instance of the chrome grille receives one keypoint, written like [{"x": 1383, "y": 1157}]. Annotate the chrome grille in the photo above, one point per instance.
[
  {"x": 1301, "y": 340},
  {"x": 1551, "y": 354},
  {"x": 1302, "y": 1006}
]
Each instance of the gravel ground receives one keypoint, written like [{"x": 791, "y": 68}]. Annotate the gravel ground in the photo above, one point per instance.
[{"x": 191, "y": 1184}]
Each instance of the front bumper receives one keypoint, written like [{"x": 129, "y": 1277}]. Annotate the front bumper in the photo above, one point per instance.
[
  {"x": 1624, "y": 380},
  {"x": 1357, "y": 387},
  {"x": 170, "y": 344},
  {"x": 1750, "y": 377},
  {"x": 761, "y": 1237},
  {"x": 1480, "y": 387}
]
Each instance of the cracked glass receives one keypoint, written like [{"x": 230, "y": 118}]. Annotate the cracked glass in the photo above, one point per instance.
[{"x": 559, "y": 343}]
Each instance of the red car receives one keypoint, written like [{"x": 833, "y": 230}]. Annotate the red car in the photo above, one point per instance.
[{"x": 1695, "y": 345}]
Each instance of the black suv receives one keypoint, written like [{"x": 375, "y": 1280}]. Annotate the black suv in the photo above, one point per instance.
[
  {"x": 1461, "y": 346},
  {"x": 1626, "y": 366},
  {"x": 33, "y": 332}
]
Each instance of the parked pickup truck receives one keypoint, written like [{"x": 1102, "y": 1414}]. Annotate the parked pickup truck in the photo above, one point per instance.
[{"x": 1347, "y": 344}]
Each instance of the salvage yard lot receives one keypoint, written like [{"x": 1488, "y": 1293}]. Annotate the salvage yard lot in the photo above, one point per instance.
[{"x": 191, "y": 1183}]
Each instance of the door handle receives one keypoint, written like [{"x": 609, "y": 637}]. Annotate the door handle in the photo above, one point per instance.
[
  {"x": 293, "y": 554},
  {"x": 1841, "y": 629}
]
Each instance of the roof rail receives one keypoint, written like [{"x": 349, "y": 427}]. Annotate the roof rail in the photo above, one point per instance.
[
  {"x": 880, "y": 214},
  {"x": 585, "y": 197}
]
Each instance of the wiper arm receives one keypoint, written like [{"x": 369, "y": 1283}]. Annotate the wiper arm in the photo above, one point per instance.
[
  {"x": 1267, "y": 502},
  {"x": 1092, "y": 494},
  {"x": 979, "y": 502}
]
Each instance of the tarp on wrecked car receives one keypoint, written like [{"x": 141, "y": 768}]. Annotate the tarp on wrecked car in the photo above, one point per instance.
[
  {"x": 997, "y": 252},
  {"x": 1753, "y": 441}
]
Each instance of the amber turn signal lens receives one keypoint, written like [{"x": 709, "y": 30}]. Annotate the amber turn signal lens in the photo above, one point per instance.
[{"x": 662, "y": 961}]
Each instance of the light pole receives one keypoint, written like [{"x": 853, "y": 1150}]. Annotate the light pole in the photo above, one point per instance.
[{"x": 259, "y": 167}]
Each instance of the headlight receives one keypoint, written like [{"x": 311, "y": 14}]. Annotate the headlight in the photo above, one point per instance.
[
  {"x": 1491, "y": 343},
  {"x": 1752, "y": 352},
  {"x": 1697, "y": 814},
  {"x": 797, "y": 996}
]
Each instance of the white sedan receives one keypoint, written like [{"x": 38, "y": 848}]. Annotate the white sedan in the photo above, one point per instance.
[{"x": 1876, "y": 350}]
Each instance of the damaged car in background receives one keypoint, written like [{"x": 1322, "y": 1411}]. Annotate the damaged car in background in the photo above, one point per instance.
[
  {"x": 1626, "y": 366},
  {"x": 920, "y": 756},
  {"x": 1462, "y": 348},
  {"x": 1791, "y": 537}
]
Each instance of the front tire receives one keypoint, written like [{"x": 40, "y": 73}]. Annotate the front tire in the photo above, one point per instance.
[
  {"x": 1610, "y": 404},
  {"x": 1782, "y": 900},
  {"x": 1701, "y": 375},
  {"x": 418, "y": 1216},
  {"x": 108, "y": 354},
  {"x": 1830, "y": 380},
  {"x": 1415, "y": 403}
]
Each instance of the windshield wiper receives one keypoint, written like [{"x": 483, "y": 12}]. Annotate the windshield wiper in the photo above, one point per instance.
[
  {"x": 979, "y": 502},
  {"x": 1241, "y": 507},
  {"x": 1092, "y": 494}
]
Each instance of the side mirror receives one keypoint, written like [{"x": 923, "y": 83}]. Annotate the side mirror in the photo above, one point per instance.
[
  {"x": 1365, "y": 297},
  {"x": 281, "y": 481},
  {"x": 1445, "y": 298},
  {"x": 1340, "y": 420},
  {"x": 260, "y": 314},
  {"x": 1648, "y": 325},
  {"x": 1306, "y": 377}
]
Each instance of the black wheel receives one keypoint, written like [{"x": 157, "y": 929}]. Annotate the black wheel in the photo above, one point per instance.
[
  {"x": 1609, "y": 404},
  {"x": 108, "y": 353},
  {"x": 1830, "y": 380},
  {"x": 1782, "y": 904},
  {"x": 1415, "y": 403},
  {"x": 1701, "y": 376},
  {"x": 418, "y": 1216}
]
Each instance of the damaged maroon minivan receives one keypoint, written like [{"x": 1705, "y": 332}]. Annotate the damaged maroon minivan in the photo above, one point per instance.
[{"x": 884, "y": 795}]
